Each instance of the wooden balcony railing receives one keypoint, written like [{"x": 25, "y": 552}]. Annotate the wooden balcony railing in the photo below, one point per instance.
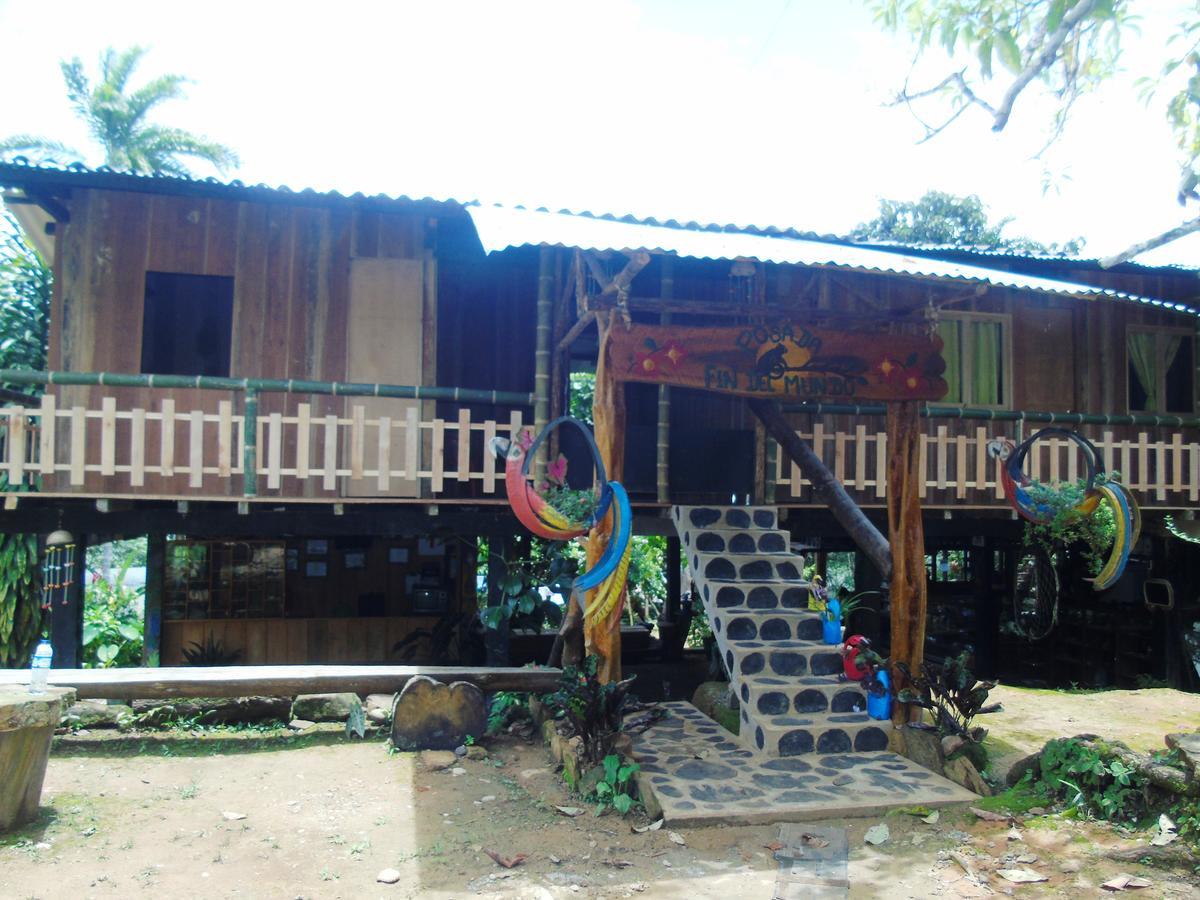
[
  {"x": 381, "y": 447},
  {"x": 353, "y": 453},
  {"x": 1163, "y": 470}
]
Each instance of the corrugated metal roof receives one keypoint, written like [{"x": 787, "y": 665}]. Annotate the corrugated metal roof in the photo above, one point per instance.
[
  {"x": 19, "y": 172},
  {"x": 502, "y": 227}
]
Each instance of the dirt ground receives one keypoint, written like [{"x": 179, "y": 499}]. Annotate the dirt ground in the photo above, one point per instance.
[{"x": 212, "y": 815}]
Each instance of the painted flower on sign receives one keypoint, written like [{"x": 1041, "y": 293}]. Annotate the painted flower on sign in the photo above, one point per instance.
[{"x": 659, "y": 359}]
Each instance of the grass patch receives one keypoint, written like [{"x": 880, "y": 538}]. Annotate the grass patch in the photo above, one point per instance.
[{"x": 1017, "y": 800}]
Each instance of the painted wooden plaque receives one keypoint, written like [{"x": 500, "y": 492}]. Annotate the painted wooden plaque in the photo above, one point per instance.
[{"x": 785, "y": 359}]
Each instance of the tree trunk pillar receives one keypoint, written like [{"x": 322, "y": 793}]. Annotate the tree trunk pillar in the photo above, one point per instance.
[
  {"x": 603, "y": 638},
  {"x": 906, "y": 534}
]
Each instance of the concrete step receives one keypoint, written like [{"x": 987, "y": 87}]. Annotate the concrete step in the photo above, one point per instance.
[
  {"x": 696, "y": 773},
  {"x": 734, "y": 541},
  {"x": 760, "y": 567},
  {"x": 787, "y": 659},
  {"x": 768, "y": 626},
  {"x": 765, "y": 697},
  {"x": 690, "y": 518},
  {"x": 799, "y": 735},
  {"x": 764, "y": 595}
]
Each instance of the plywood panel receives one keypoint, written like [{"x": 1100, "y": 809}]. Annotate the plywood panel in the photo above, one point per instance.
[
  {"x": 384, "y": 345},
  {"x": 1044, "y": 358}
]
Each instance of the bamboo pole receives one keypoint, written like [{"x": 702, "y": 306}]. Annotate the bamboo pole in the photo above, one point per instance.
[
  {"x": 996, "y": 415},
  {"x": 268, "y": 385},
  {"x": 662, "y": 464},
  {"x": 541, "y": 356}
]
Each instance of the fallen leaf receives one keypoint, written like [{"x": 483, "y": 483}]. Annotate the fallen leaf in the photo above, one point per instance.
[
  {"x": 677, "y": 838},
  {"x": 642, "y": 829},
  {"x": 232, "y": 816},
  {"x": 877, "y": 834},
  {"x": 571, "y": 811},
  {"x": 918, "y": 811},
  {"x": 932, "y": 818},
  {"x": 618, "y": 863},
  {"x": 773, "y": 846},
  {"x": 813, "y": 840},
  {"x": 422, "y": 788},
  {"x": 1021, "y": 876},
  {"x": 504, "y": 860},
  {"x": 988, "y": 816}
]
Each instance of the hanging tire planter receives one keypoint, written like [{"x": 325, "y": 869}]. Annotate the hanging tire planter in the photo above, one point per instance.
[{"x": 1098, "y": 491}]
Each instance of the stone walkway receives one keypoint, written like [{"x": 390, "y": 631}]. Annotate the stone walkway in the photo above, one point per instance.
[{"x": 700, "y": 774}]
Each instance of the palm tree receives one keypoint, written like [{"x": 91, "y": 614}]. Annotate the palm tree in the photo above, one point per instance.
[{"x": 118, "y": 121}]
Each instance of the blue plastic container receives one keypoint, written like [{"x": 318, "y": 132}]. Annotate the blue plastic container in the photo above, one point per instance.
[
  {"x": 831, "y": 632},
  {"x": 880, "y": 707}
]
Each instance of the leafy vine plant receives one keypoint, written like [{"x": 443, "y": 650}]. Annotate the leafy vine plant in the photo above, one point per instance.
[{"x": 1069, "y": 526}]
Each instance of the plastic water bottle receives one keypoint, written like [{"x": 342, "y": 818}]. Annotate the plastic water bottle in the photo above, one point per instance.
[{"x": 40, "y": 668}]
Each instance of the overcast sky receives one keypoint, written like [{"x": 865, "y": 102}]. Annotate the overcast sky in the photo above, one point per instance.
[{"x": 756, "y": 111}]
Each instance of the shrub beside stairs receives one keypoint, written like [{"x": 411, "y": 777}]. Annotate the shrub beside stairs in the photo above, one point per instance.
[{"x": 806, "y": 746}]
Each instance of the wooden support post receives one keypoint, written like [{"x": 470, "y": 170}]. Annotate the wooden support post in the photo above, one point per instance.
[
  {"x": 156, "y": 578},
  {"x": 608, "y": 415},
  {"x": 827, "y": 488},
  {"x": 672, "y": 630},
  {"x": 907, "y": 534}
]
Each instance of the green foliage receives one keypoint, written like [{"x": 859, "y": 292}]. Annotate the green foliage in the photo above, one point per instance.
[
  {"x": 21, "y": 613},
  {"x": 575, "y": 505},
  {"x": 25, "y": 284},
  {"x": 1022, "y": 38},
  {"x": 581, "y": 388},
  {"x": 211, "y": 653},
  {"x": 112, "y": 618},
  {"x": 615, "y": 788},
  {"x": 1068, "y": 527},
  {"x": 1077, "y": 773},
  {"x": 117, "y": 117},
  {"x": 952, "y": 694},
  {"x": 945, "y": 219},
  {"x": 546, "y": 564},
  {"x": 506, "y": 708},
  {"x": 25, "y": 288},
  {"x": 591, "y": 707},
  {"x": 700, "y": 628}
]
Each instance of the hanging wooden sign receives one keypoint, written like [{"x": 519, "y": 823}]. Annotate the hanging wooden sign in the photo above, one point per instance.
[{"x": 785, "y": 359}]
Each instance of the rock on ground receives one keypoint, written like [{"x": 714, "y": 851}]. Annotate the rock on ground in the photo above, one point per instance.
[
  {"x": 715, "y": 700},
  {"x": 324, "y": 707},
  {"x": 379, "y": 707},
  {"x": 429, "y": 715},
  {"x": 98, "y": 714}
]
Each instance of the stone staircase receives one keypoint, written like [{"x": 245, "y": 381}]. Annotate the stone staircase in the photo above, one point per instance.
[
  {"x": 757, "y": 601},
  {"x": 806, "y": 748}
]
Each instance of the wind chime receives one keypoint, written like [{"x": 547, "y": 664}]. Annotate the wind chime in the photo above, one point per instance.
[{"x": 58, "y": 571}]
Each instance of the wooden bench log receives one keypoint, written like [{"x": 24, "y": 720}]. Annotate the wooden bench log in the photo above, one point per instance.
[{"x": 277, "y": 681}]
